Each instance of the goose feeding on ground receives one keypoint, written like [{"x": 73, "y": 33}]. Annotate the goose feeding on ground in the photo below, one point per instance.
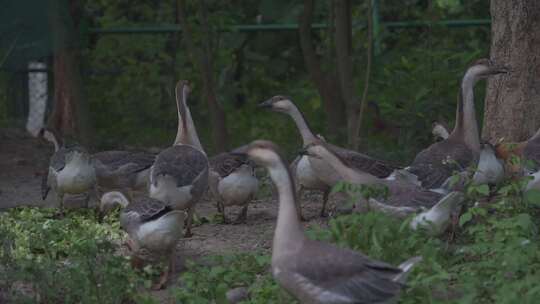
[
  {"x": 179, "y": 175},
  {"x": 70, "y": 170},
  {"x": 403, "y": 198},
  {"x": 123, "y": 170},
  {"x": 435, "y": 164},
  {"x": 232, "y": 181},
  {"x": 154, "y": 228},
  {"x": 304, "y": 175},
  {"x": 318, "y": 272}
]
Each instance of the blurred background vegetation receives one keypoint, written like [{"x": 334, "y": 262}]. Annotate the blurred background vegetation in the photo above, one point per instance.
[{"x": 128, "y": 79}]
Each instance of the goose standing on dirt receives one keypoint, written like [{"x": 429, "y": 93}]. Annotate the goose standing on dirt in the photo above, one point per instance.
[
  {"x": 232, "y": 181},
  {"x": 154, "y": 229},
  {"x": 403, "y": 198},
  {"x": 123, "y": 170},
  {"x": 305, "y": 177},
  {"x": 436, "y": 164},
  {"x": 179, "y": 176},
  {"x": 70, "y": 171},
  {"x": 317, "y": 272}
]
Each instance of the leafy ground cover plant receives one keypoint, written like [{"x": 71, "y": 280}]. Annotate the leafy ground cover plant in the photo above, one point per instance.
[{"x": 68, "y": 260}]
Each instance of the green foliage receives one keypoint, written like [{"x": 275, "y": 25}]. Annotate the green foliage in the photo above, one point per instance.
[
  {"x": 68, "y": 260},
  {"x": 493, "y": 259}
]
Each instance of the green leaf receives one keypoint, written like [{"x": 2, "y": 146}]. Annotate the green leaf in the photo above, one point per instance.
[
  {"x": 532, "y": 197},
  {"x": 483, "y": 189},
  {"x": 465, "y": 218}
]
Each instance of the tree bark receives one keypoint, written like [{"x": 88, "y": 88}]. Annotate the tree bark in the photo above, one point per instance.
[
  {"x": 363, "y": 101},
  {"x": 342, "y": 9},
  {"x": 204, "y": 58},
  {"x": 70, "y": 111},
  {"x": 512, "y": 103},
  {"x": 326, "y": 83}
]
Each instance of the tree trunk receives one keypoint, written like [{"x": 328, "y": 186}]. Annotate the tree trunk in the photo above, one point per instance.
[
  {"x": 512, "y": 103},
  {"x": 204, "y": 59},
  {"x": 342, "y": 9},
  {"x": 325, "y": 82},
  {"x": 70, "y": 111}
]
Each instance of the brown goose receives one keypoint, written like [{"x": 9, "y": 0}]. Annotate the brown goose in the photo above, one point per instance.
[
  {"x": 232, "y": 182},
  {"x": 403, "y": 198},
  {"x": 304, "y": 175},
  {"x": 70, "y": 170},
  {"x": 528, "y": 150},
  {"x": 317, "y": 272},
  {"x": 123, "y": 170},
  {"x": 435, "y": 165},
  {"x": 179, "y": 175},
  {"x": 490, "y": 169},
  {"x": 154, "y": 228}
]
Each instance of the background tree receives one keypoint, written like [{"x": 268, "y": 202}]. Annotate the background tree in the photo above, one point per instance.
[
  {"x": 203, "y": 56},
  {"x": 70, "y": 110},
  {"x": 512, "y": 104},
  {"x": 326, "y": 81}
]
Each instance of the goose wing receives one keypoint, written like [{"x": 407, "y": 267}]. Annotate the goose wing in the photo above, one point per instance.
[
  {"x": 184, "y": 163},
  {"x": 125, "y": 162},
  {"x": 410, "y": 195},
  {"x": 58, "y": 159},
  {"x": 143, "y": 209},
  {"x": 330, "y": 274},
  {"x": 437, "y": 163},
  {"x": 226, "y": 163},
  {"x": 363, "y": 162}
]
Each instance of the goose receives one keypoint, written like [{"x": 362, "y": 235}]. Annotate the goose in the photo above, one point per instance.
[
  {"x": 179, "y": 175},
  {"x": 490, "y": 169},
  {"x": 404, "y": 198},
  {"x": 435, "y": 164},
  {"x": 439, "y": 131},
  {"x": 123, "y": 170},
  {"x": 70, "y": 170},
  {"x": 528, "y": 150},
  {"x": 319, "y": 272},
  {"x": 232, "y": 182},
  {"x": 153, "y": 227},
  {"x": 304, "y": 175}
]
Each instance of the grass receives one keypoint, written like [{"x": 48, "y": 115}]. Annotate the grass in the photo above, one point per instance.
[{"x": 494, "y": 257}]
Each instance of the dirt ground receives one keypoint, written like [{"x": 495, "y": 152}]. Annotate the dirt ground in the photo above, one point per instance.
[{"x": 24, "y": 160}]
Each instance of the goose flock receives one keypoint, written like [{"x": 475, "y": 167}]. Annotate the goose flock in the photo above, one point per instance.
[{"x": 173, "y": 181}]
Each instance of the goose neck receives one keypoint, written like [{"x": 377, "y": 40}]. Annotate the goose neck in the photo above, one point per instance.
[
  {"x": 186, "y": 133},
  {"x": 301, "y": 124},
  {"x": 288, "y": 229},
  {"x": 466, "y": 124}
]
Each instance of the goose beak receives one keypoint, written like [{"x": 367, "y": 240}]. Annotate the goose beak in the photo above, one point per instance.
[
  {"x": 500, "y": 70},
  {"x": 267, "y": 104},
  {"x": 241, "y": 150}
]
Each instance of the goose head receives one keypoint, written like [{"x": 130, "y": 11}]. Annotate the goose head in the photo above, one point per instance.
[
  {"x": 264, "y": 153},
  {"x": 439, "y": 131},
  {"x": 484, "y": 68},
  {"x": 278, "y": 103},
  {"x": 182, "y": 89}
]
